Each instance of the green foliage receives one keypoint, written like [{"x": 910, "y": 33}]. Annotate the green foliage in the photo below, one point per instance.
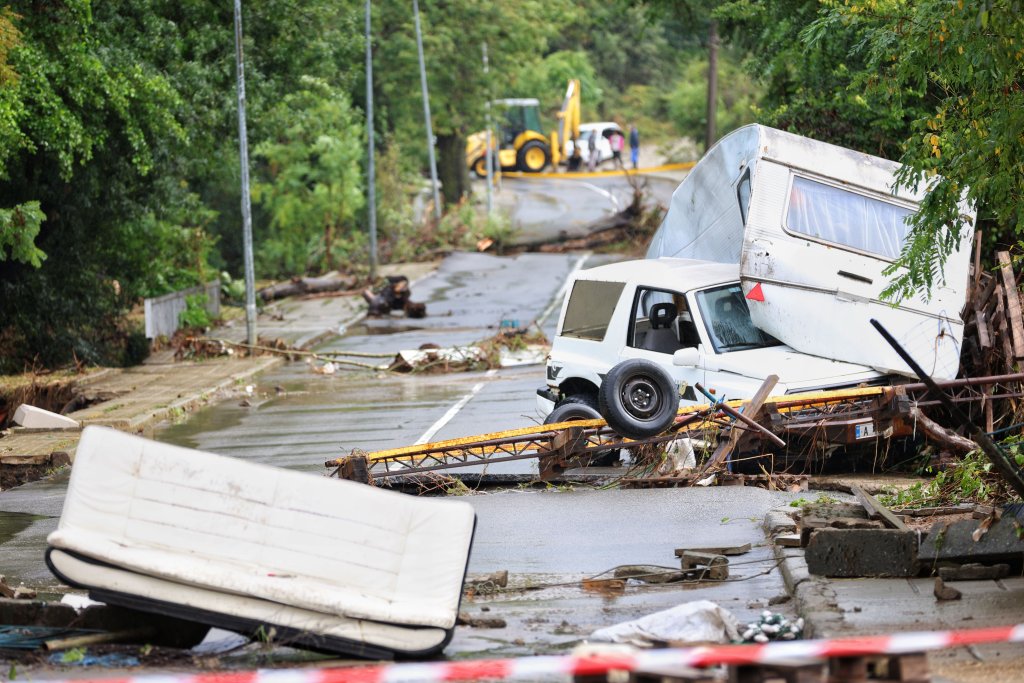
[
  {"x": 311, "y": 182},
  {"x": 971, "y": 480},
  {"x": 18, "y": 230},
  {"x": 547, "y": 81},
  {"x": 195, "y": 315},
  {"x": 73, "y": 656},
  {"x": 737, "y": 98},
  {"x": 811, "y": 75},
  {"x": 232, "y": 289},
  {"x": 968, "y": 60}
]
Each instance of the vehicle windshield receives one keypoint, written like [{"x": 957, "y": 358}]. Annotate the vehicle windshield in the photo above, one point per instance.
[
  {"x": 728, "y": 322},
  {"x": 590, "y": 309}
]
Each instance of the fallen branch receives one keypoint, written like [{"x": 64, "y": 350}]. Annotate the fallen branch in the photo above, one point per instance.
[
  {"x": 941, "y": 435},
  {"x": 332, "y": 282}
]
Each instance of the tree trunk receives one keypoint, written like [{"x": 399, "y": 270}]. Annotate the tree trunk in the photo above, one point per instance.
[
  {"x": 451, "y": 167},
  {"x": 712, "y": 135}
]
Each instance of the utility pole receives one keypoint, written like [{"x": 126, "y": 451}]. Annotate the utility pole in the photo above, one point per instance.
[
  {"x": 711, "y": 134},
  {"x": 488, "y": 157},
  {"x": 243, "y": 153},
  {"x": 426, "y": 111},
  {"x": 371, "y": 180}
]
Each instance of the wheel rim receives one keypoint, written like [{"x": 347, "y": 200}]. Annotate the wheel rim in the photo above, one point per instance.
[
  {"x": 480, "y": 167},
  {"x": 534, "y": 158},
  {"x": 640, "y": 397}
]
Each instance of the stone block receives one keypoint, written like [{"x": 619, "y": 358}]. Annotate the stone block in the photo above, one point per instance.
[
  {"x": 1002, "y": 542},
  {"x": 851, "y": 553},
  {"x": 31, "y": 417},
  {"x": 974, "y": 571}
]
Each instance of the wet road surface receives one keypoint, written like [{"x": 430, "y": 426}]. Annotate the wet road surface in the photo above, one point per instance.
[{"x": 547, "y": 539}]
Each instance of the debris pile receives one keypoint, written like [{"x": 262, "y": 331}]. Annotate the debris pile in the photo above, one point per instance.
[
  {"x": 393, "y": 295},
  {"x": 772, "y": 626}
]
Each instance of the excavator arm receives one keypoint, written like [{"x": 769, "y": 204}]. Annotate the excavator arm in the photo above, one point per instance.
[{"x": 568, "y": 121}]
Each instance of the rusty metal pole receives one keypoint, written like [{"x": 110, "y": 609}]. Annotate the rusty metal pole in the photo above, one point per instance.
[
  {"x": 1003, "y": 464},
  {"x": 243, "y": 153}
]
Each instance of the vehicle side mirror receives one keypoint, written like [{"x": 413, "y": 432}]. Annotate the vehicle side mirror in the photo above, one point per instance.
[{"x": 690, "y": 356}]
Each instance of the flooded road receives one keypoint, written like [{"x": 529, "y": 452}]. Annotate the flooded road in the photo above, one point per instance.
[{"x": 547, "y": 537}]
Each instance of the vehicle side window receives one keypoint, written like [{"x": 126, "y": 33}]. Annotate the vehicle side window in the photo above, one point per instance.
[
  {"x": 846, "y": 218},
  {"x": 661, "y": 322},
  {"x": 590, "y": 309}
]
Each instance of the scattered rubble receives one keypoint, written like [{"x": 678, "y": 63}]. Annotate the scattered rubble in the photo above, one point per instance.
[
  {"x": 772, "y": 626},
  {"x": 30, "y": 417},
  {"x": 393, "y": 295}
]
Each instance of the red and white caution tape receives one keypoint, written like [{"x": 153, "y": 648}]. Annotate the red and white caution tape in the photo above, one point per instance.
[{"x": 530, "y": 668}]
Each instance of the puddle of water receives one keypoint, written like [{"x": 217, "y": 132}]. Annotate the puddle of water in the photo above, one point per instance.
[
  {"x": 379, "y": 327},
  {"x": 13, "y": 523}
]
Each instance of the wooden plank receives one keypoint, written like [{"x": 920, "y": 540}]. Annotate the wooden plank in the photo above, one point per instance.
[
  {"x": 876, "y": 510},
  {"x": 751, "y": 409},
  {"x": 1004, "y": 333},
  {"x": 981, "y": 323},
  {"x": 25, "y": 459},
  {"x": 721, "y": 550},
  {"x": 1012, "y": 304},
  {"x": 977, "y": 263}
]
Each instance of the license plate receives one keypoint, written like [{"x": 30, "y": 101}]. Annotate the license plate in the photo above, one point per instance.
[{"x": 864, "y": 431}]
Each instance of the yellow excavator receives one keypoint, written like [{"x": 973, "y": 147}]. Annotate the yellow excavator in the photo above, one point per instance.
[{"x": 520, "y": 144}]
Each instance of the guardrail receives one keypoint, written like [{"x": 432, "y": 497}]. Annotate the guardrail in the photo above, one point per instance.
[{"x": 162, "y": 312}]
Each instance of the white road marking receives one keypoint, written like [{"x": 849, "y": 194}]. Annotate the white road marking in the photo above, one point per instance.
[
  {"x": 453, "y": 411},
  {"x": 604, "y": 193}
]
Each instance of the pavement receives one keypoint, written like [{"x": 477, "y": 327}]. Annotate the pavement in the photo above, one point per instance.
[
  {"x": 137, "y": 398},
  {"x": 835, "y": 608}
]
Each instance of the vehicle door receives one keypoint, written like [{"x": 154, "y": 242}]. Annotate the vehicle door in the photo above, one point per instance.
[{"x": 661, "y": 323}]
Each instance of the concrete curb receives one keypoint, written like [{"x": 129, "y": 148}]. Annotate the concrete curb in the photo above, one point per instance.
[{"x": 812, "y": 596}]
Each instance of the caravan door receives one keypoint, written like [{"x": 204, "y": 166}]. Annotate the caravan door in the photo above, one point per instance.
[{"x": 812, "y": 269}]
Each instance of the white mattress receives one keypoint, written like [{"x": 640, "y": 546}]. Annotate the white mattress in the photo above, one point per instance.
[{"x": 261, "y": 543}]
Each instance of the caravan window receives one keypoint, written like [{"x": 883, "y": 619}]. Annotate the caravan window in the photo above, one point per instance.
[{"x": 846, "y": 218}]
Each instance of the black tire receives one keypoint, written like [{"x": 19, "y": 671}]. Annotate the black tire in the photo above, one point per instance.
[
  {"x": 533, "y": 157},
  {"x": 479, "y": 167},
  {"x": 582, "y": 407},
  {"x": 638, "y": 399}
]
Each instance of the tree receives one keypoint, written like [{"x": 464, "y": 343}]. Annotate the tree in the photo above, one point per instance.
[
  {"x": 517, "y": 32},
  {"x": 311, "y": 183},
  {"x": 965, "y": 143},
  {"x": 811, "y": 83}
]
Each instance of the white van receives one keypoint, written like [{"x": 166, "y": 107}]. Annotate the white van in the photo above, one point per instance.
[
  {"x": 603, "y": 130},
  {"x": 812, "y": 227}
]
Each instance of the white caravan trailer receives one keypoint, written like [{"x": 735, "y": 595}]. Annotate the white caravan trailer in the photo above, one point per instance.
[{"x": 813, "y": 226}]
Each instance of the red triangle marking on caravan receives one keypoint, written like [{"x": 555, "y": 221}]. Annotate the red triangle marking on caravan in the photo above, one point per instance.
[{"x": 755, "y": 294}]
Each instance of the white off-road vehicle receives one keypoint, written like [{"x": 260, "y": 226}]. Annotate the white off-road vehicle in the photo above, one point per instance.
[{"x": 677, "y": 317}]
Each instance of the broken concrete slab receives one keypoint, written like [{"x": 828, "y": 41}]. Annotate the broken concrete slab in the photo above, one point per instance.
[
  {"x": 713, "y": 566},
  {"x": 851, "y": 553},
  {"x": 955, "y": 542},
  {"x": 718, "y": 550},
  {"x": 974, "y": 571},
  {"x": 31, "y": 417}
]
